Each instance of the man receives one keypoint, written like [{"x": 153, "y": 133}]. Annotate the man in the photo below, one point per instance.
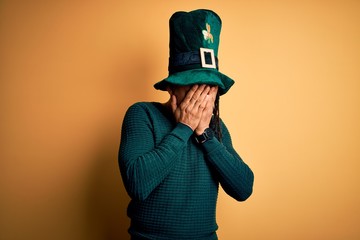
[{"x": 173, "y": 156}]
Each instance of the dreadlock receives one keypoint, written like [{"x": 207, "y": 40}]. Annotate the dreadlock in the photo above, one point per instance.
[{"x": 215, "y": 120}]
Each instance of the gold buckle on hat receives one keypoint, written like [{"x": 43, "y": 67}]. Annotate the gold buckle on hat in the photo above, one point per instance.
[{"x": 202, "y": 56}]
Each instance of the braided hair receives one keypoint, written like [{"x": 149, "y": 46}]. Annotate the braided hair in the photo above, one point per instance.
[{"x": 215, "y": 120}]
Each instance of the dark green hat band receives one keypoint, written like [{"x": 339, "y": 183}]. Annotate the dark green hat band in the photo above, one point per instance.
[{"x": 191, "y": 60}]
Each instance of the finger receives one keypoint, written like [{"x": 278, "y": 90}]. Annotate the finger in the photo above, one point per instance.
[
  {"x": 190, "y": 98},
  {"x": 195, "y": 96},
  {"x": 212, "y": 93},
  {"x": 209, "y": 107},
  {"x": 201, "y": 101},
  {"x": 199, "y": 91},
  {"x": 190, "y": 94},
  {"x": 198, "y": 97},
  {"x": 173, "y": 103},
  {"x": 214, "y": 90}
]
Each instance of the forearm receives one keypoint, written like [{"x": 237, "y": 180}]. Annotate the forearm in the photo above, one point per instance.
[
  {"x": 235, "y": 176},
  {"x": 144, "y": 168}
]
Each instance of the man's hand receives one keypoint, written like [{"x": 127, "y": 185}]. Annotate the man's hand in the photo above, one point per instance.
[
  {"x": 191, "y": 109},
  {"x": 208, "y": 111}
]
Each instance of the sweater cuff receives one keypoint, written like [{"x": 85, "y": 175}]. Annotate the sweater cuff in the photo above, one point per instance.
[
  {"x": 182, "y": 131},
  {"x": 211, "y": 145}
]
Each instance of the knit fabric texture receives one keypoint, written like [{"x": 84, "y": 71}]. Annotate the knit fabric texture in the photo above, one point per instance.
[{"x": 172, "y": 180}]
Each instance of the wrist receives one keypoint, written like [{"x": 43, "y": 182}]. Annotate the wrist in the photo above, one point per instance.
[
  {"x": 207, "y": 134},
  {"x": 192, "y": 128},
  {"x": 199, "y": 131}
]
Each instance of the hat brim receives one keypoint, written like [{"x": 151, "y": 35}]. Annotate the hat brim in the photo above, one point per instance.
[{"x": 197, "y": 76}]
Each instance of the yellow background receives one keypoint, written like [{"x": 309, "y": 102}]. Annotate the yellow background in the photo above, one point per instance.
[{"x": 70, "y": 69}]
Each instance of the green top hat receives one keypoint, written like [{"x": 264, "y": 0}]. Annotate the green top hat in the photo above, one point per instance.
[{"x": 194, "y": 43}]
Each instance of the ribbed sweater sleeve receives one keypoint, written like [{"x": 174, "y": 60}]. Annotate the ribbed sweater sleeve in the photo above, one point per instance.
[
  {"x": 144, "y": 164},
  {"x": 234, "y": 175}
]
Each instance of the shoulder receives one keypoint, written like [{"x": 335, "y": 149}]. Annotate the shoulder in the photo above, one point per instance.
[
  {"x": 145, "y": 115},
  {"x": 140, "y": 105},
  {"x": 223, "y": 126},
  {"x": 141, "y": 108},
  {"x": 226, "y": 137}
]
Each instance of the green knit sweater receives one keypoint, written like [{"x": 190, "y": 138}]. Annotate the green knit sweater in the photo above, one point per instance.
[{"x": 173, "y": 181}]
